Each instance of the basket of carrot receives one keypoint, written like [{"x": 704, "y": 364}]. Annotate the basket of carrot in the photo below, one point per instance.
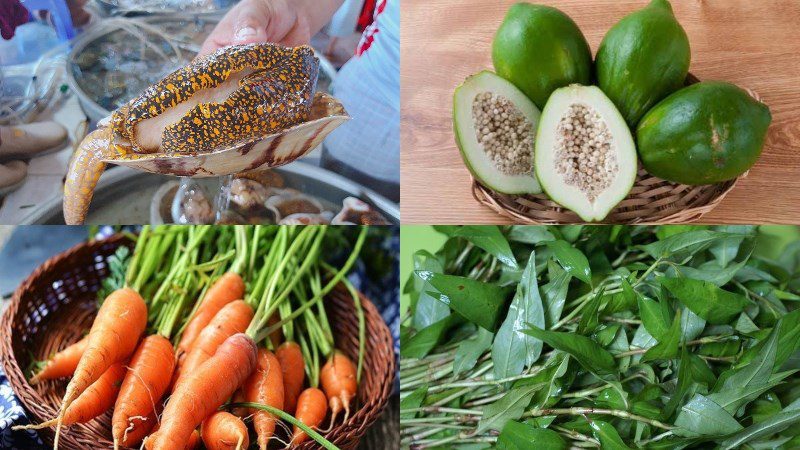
[{"x": 209, "y": 337}]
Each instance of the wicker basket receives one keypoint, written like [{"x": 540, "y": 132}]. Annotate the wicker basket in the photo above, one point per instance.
[
  {"x": 651, "y": 200},
  {"x": 55, "y": 306}
]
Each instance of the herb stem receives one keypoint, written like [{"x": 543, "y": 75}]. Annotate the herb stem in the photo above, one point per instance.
[
  {"x": 701, "y": 341},
  {"x": 577, "y": 411}
]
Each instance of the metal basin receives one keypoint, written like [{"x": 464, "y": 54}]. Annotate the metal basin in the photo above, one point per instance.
[{"x": 124, "y": 196}]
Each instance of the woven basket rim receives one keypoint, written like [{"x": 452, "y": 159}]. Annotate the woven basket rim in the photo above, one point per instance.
[
  {"x": 344, "y": 434},
  {"x": 652, "y": 201}
]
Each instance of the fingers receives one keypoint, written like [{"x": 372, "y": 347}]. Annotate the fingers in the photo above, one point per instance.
[
  {"x": 250, "y": 24},
  {"x": 259, "y": 21},
  {"x": 245, "y": 23}
]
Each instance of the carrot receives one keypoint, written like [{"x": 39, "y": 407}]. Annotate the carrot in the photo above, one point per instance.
[
  {"x": 338, "y": 379},
  {"x": 265, "y": 386},
  {"x": 231, "y": 319},
  {"x": 311, "y": 410},
  {"x": 150, "y": 374},
  {"x": 276, "y": 337},
  {"x": 94, "y": 401},
  {"x": 113, "y": 337},
  {"x": 227, "y": 288},
  {"x": 63, "y": 363},
  {"x": 203, "y": 391},
  {"x": 139, "y": 428},
  {"x": 224, "y": 431},
  {"x": 238, "y": 397},
  {"x": 290, "y": 358},
  {"x": 194, "y": 441},
  {"x": 97, "y": 398}
]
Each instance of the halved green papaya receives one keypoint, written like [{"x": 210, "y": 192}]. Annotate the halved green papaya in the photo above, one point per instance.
[
  {"x": 585, "y": 158},
  {"x": 642, "y": 59},
  {"x": 495, "y": 125},
  {"x": 706, "y": 133},
  {"x": 540, "y": 49}
]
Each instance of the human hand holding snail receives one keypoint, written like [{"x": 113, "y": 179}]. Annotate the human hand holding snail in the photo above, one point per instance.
[{"x": 286, "y": 22}]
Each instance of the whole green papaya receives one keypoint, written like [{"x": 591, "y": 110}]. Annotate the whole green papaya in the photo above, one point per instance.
[
  {"x": 706, "y": 133},
  {"x": 540, "y": 49},
  {"x": 642, "y": 59}
]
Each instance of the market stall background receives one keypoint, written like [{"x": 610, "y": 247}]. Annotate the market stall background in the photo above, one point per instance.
[{"x": 126, "y": 46}]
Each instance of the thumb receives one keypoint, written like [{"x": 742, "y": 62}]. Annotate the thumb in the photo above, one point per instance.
[{"x": 250, "y": 25}]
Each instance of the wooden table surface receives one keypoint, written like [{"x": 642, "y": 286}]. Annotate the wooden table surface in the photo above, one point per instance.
[{"x": 753, "y": 43}]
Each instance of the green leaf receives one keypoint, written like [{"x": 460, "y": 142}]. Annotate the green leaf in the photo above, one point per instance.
[
  {"x": 607, "y": 435},
  {"x": 788, "y": 340},
  {"x": 418, "y": 345},
  {"x": 491, "y": 239},
  {"x": 686, "y": 244},
  {"x": 713, "y": 272},
  {"x": 758, "y": 371},
  {"x": 685, "y": 381},
  {"x": 622, "y": 301},
  {"x": 554, "y": 293},
  {"x": 413, "y": 401},
  {"x": 521, "y": 436},
  {"x": 692, "y": 325},
  {"x": 786, "y": 296},
  {"x": 670, "y": 443},
  {"x": 726, "y": 250},
  {"x": 572, "y": 260},
  {"x": 513, "y": 350},
  {"x": 777, "y": 423},
  {"x": 745, "y": 325},
  {"x": 587, "y": 352},
  {"x": 481, "y": 303},
  {"x": 569, "y": 233},
  {"x": 612, "y": 398},
  {"x": 428, "y": 309},
  {"x": 734, "y": 397},
  {"x": 668, "y": 345},
  {"x": 590, "y": 315},
  {"x": 656, "y": 316},
  {"x": 765, "y": 407},
  {"x": 530, "y": 234},
  {"x": 510, "y": 406},
  {"x": 471, "y": 349},
  {"x": 713, "y": 304},
  {"x": 556, "y": 377},
  {"x": 703, "y": 417}
]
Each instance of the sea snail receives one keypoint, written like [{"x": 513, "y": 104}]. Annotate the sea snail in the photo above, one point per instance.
[{"x": 234, "y": 95}]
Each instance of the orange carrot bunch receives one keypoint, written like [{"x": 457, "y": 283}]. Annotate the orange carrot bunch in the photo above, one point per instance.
[{"x": 167, "y": 367}]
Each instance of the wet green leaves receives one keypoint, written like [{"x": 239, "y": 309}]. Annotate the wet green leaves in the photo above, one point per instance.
[
  {"x": 587, "y": 352},
  {"x": 607, "y": 435},
  {"x": 703, "y": 417},
  {"x": 480, "y": 303},
  {"x": 521, "y": 436},
  {"x": 705, "y": 299},
  {"x": 510, "y": 407},
  {"x": 572, "y": 260},
  {"x": 603, "y": 337},
  {"x": 514, "y": 350}
]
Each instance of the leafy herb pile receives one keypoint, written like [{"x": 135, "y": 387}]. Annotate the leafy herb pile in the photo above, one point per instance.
[{"x": 602, "y": 337}]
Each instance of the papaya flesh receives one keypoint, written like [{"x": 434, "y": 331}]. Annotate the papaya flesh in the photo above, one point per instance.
[
  {"x": 706, "y": 133},
  {"x": 540, "y": 49},
  {"x": 642, "y": 59}
]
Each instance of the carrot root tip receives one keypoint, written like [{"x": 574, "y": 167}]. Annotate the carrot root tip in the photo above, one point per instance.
[{"x": 46, "y": 424}]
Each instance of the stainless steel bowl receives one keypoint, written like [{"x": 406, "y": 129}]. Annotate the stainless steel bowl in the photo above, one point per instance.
[{"x": 124, "y": 196}]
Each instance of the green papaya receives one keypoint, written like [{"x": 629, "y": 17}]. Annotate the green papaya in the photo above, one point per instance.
[
  {"x": 642, "y": 59},
  {"x": 540, "y": 49},
  {"x": 706, "y": 133}
]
